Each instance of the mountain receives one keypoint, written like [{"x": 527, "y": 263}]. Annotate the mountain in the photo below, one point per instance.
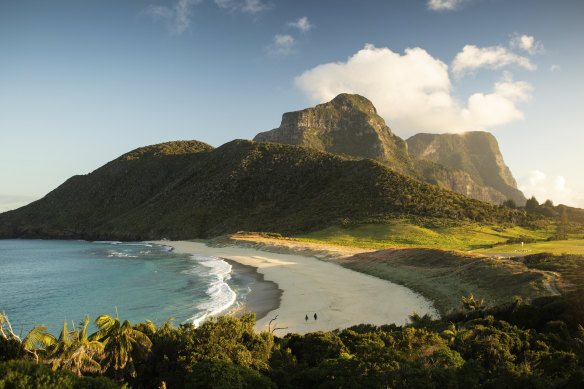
[
  {"x": 476, "y": 153},
  {"x": 349, "y": 125},
  {"x": 182, "y": 190}
]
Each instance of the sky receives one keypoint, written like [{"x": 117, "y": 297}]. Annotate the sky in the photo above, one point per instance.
[{"x": 83, "y": 82}]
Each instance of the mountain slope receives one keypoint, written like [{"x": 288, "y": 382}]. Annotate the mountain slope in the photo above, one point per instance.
[
  {"x": 181, "y": 190},
  {"x": 476, "y": 153},
  {"x": 349, "y": 125}
]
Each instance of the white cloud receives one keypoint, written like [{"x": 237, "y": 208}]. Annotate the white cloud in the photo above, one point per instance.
[
  {"x": 177, "y": 17},
  {"x": 538, "y": 184},
  {"x": 246, "y": 6},
  {"x": 444, "y": 5},
  {"x": 526, "y": 43},
  {"x": 496, "y": 57},
  {"x": 413, "y": 91},
  {"x": 282, "y": 45},
  {"x": 302, "y": 24},
  {"x": 554, "y": 68}
]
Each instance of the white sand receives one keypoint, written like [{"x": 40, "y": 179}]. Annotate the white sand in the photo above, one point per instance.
[{"x": 340, "y": 297}]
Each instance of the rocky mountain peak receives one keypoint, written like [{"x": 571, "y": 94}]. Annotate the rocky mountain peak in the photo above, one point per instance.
[{"x": 347, "y": 125}]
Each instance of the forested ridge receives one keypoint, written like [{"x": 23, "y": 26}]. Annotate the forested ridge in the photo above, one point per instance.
[{"x": 182, "y": 190}]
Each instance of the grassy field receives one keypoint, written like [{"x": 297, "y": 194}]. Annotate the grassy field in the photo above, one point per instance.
[
  {"x": 444, "y": 276},
  {"x": 405, "y": 233},
  {"x": 572, "y": 246}
]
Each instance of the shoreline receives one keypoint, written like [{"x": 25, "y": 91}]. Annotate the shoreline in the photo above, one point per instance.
[
  {"x": 340, "y": 297},
  {"x": 264, "y": 296}
]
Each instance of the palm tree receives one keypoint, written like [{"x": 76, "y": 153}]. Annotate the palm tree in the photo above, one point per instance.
[
  {"x": 418, "y": 321},
  {"x": 472, "y": 304},
  {"x": 74, "y": 351},
  {"x": 148, "y": 328},
  {"x": 38, "y": 336},
  {"x": 121, "y": 340},
  {"x": 450, "y": 333}
]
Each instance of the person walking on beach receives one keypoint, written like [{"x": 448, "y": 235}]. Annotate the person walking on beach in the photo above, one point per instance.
[
  {"x": 315, "y": 317},
  {"x": 306, "y": 318}
]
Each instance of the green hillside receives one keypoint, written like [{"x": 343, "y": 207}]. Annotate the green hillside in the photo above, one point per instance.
[{"x": 180, "y": 190}]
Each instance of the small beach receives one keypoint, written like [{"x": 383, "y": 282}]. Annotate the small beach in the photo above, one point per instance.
[{"x": 340, "y": 297}]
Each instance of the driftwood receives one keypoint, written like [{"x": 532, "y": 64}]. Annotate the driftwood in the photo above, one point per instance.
[{"x": 275, "y": 328}]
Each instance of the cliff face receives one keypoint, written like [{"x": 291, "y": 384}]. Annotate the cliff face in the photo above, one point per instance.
[
  {"x": 476, "y": 153},
  {"x": 349, "y": 125}
]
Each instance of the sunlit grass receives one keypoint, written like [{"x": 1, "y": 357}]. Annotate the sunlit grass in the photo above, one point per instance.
[
  {"x": 404, "y": 233},
  {"x": 571, "y": 246}
]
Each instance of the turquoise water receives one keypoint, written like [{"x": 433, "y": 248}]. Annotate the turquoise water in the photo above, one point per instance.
[{"x": 48, "y": 282}]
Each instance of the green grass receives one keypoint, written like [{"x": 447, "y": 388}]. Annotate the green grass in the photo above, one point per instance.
[
  {"x": 405, "y": 233},
  {"x": 572, "y": 246}
]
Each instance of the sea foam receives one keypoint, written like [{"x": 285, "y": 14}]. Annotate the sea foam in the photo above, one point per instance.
[{"x": 221, "y": 296}]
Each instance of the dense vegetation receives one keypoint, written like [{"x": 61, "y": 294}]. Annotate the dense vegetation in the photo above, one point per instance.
[
  {"x": 537, "y": 344},
  {"x": 183, "y": 190}
]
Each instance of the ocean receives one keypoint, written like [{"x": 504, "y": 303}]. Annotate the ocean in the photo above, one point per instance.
[{"x": 50, "y": 281}]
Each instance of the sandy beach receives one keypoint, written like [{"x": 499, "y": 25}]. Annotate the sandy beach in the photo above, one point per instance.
[{"x": 340, "y": 297}]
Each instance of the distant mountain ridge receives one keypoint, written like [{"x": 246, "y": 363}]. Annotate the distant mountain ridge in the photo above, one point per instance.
[
  {"x": 188, "y": 189},
  {"x": 476, "y": 153},
  {"x": 349, "y": 125}
]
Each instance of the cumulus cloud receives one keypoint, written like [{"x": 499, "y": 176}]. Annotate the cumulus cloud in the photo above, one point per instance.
[
  {"x": 527, "y": 43},
  {"x": 444, "y": 5},
  {"x": 538, "y": 184},
  {"x": 472, "y": 58},
  {"x": 246, "y": 6},
  {"x": 554, "y": 68},
  {"x": 413, "y": 91},
  {"x": 302, "y": 24},
  {"x": 282, "y": 45},
  {"x": 177, "y": 17}
]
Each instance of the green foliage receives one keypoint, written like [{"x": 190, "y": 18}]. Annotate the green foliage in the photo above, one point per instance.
[
  {"x": 11, "y": 349},
  {"x": 221, "y": 374},
  {"x": 26, "y": 375},
  {"x": 481, "y": 348},
  {"x": 74, "y": 351},
  {"x": 122, "y": 344}
]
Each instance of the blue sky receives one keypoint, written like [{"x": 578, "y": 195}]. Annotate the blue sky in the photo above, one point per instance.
[{"x": 82, "y": 82}]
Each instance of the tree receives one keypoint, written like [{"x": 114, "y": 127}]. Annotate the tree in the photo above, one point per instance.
[
  {"x": 418, "y": 321},
  {"x": 510, "y": 203},
  {"x": 472, "y": 304},
  {"x": 34, "y": 341},
  {"x": 120, "y": 340},
  {"x": 74, "y": 351},
  {"x": 531, "y": 204},
  {"x": 562, "y": 227}
]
